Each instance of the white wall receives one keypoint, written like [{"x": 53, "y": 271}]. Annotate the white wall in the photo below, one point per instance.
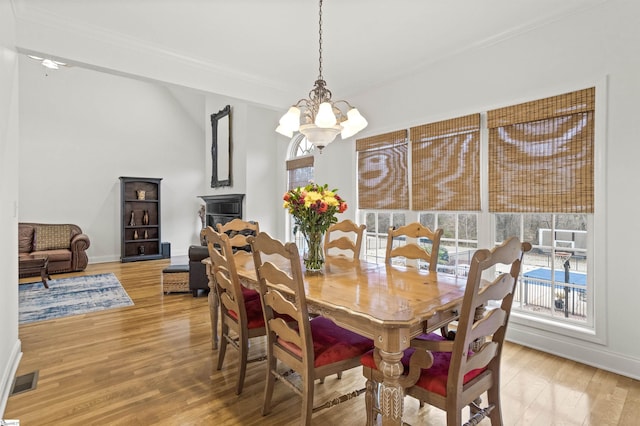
[
  {"x": 257, "y": 162},
  {"x": 10, "y": 348},
  {"x": 81, "y": 130},
  {"x": 581, "y": 51}
]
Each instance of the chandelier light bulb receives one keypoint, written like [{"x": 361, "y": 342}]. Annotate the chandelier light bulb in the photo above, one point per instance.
[{"x": 325, "y": 116}]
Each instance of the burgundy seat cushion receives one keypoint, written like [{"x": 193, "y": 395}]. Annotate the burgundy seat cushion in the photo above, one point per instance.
[
  {"x": 249, "y": 294},
  {"x": 255, "y": 318},
  {"x": 332, "y": 343},
  {"x": 434, "y": 378}
]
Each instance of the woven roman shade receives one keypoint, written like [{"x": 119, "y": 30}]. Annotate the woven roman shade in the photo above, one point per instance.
[
  {"x": 541, "y": 155},
  {"x": 300, "y": 171},
  {"x": 446, "y": 165},
  {"x": 382, "y": 171}
]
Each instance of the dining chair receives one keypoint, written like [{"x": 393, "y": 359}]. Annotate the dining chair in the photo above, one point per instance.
[
  {"x": 451, "y": 375},
  {"x": 410, "y": 249},
  {"x": 313, "y": 348},
  {"x": 238, "y": 230},
  {"x": 344, "y": 237},
  {"x": 241, "y": 316}
]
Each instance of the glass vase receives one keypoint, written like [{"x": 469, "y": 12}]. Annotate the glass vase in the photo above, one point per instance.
[{"x": 313, "y": 255}]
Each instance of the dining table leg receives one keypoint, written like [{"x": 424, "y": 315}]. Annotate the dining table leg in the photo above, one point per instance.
[{"x": 391, "y": 393}]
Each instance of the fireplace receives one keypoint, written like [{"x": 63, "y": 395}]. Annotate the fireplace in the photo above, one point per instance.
[{"x": 222, "y": 208}]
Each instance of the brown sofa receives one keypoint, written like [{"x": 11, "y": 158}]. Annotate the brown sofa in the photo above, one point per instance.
[{"x": 64, "y": 245}]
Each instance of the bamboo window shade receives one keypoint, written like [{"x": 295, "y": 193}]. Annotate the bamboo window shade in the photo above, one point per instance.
[
  {"x": 541, "y": 155},
  {"x": 300, "y": 171},
  {"x": 382, "y": 171},
  {"x": 446, "y": 165}
]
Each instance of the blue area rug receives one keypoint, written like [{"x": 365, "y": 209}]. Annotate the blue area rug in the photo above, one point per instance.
[{"x": 70, "y": 296}]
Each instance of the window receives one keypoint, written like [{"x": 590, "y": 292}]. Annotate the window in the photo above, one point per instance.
[
  {"x": 535, "y": 181},
  {"x": 382, "y": 171},
  {"x": 554, "y": 274},
  {"x": 541, "y": 188},
  {"x": 457, "y": 244},
  {"x": 299, "y": 173}
]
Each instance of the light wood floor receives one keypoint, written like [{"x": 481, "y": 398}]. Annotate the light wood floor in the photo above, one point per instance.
[{"x": 152, "y": 363}]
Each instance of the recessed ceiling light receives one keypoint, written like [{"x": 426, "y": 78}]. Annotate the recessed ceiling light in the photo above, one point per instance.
[{"x": 48, "y": 63}]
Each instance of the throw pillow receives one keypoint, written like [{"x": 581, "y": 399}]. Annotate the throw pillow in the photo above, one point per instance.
[
  {"x": 25, "y": 239},
  {"x": 52, "y": 237}
]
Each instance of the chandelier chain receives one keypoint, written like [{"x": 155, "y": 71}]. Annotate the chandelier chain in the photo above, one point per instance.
[
  {"x": 320, "y": 43},
  {"x": 319, "y": 118}
]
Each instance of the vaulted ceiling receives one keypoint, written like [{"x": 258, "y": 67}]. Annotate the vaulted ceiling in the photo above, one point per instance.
[{"x": 274, "y": 43}]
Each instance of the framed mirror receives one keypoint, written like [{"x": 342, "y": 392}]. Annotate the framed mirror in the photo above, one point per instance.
[{"x": 221, "y": 148}]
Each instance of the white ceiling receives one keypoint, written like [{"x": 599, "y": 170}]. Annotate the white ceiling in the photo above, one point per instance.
[{"x": 366, "y": 42}]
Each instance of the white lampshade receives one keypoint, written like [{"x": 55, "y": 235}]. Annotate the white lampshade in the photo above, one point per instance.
[
  {"x": 347, "y": 130},
  {"x": 284, "y": 131},
  {"x": 290, "y": 122},
  {"x": 325, "y": 116},
  {"x": 353, "y": 124},
  {"x": 356, "y": 119}
]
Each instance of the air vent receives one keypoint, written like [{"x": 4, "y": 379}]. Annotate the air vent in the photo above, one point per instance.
[{"x": 25, "y": 383}]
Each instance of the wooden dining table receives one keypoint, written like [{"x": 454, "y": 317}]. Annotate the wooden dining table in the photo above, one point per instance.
[{"x": 387, "y": 303}]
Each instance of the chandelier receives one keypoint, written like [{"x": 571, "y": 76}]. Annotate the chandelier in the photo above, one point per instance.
[{"x": 319, "y": 118}]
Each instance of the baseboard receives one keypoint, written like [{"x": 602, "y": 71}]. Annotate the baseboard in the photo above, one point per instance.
[
  {"x": 8, "y": 375},
  {"x": 590, "y": 354},
  {"x": 107, "y": 259}
]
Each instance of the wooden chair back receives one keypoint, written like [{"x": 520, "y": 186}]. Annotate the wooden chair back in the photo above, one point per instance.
[
  {"x": 347, "y": 237},
  {"x": 282, "y": 293},
  {"x": 238, "y": 231},
  {"x": 241, "y": 316},
  {"x": 294, "y": 343},
  {"x": 226, "y": 276},
  {"x": 413, "y": 250},
  {"x": 477, "y": 347}
]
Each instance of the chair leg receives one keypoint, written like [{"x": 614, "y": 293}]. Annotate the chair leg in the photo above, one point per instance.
[
  {"x": 369, "y": 401},
  {"x": 454, "y": 417},
  {"x": 243, "y": 346},
  {"x": 493, "y": 398},
  {"x": 268, "y": 387},
  {"x": 307, "y": 398},
  {"x": 224, "y": 332}
]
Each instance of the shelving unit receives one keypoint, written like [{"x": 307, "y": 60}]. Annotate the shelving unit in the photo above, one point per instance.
[{"x": 140, "y": 238}]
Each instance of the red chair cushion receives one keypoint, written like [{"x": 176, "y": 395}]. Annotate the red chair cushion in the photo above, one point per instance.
[
  {"x": 249, "y": 294},
  {"x": 434, "y": 378},
  {"x": 255, "y": 317},
  {"x": 332, "y": 343}
]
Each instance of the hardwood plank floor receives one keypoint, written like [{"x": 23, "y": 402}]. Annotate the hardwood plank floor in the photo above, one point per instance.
[{"x": 152, "y": 363}]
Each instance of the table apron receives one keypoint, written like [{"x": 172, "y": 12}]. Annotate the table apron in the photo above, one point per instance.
[{"x": 391, "y": 337}]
